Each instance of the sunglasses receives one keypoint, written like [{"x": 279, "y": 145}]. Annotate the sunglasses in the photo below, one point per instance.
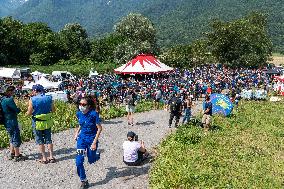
[{"x": 83, "y": 104}]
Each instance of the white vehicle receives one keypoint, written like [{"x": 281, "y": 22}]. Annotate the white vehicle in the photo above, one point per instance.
[
  {"x": 11, "y": 73},
  {"x": 63, "y": 74},
  {"x": 93, "y": 74}
]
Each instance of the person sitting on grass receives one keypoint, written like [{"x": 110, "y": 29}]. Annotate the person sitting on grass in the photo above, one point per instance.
[{"x": 134, "y": 152}]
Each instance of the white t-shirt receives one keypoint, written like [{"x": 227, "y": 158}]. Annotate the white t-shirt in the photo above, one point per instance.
[
  {"x": 130, "y": 150},
  {"x": 158, "y": 94}
]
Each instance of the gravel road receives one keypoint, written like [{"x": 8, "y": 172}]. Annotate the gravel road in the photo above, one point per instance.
[{"x": 108, "y": 173}]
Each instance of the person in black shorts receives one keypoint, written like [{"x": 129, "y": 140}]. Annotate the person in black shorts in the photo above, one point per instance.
[{"x": 175, "y": 105}]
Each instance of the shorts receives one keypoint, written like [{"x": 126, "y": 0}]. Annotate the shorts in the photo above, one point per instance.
[
  {"x": 43, "y": 137},
  {"x": 138, "y": 162},
  {"x": 13, "y": 130},
  {"x": 130, "y": 108},
  {"x": 206, "y": 119}
]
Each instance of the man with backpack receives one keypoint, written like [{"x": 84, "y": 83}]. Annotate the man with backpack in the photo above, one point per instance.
[
  {"x": 9, "y": 112},
  {"x": 175, "y": 105}
]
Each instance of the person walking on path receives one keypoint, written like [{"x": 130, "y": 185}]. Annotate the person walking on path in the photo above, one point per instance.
[
  {"x": 130, "y": 101},
  {"x": 158, "y": 97},
  {"x": 187, "y": 109},
  {"x": 175, "y": 105},
  {"x": 41, "y": 108},
  {"x": 206, "y": 118},
  {"x": 87, "y": 136},
  {"x": 10, "y": 111}
]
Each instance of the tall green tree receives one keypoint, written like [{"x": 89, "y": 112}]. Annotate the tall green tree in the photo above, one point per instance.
[
  {"x": 75, "y": 41},
  {"x": 139, "y": 34},
  {"x": 242, "y": 42},
  {"x": 10, "y": 53},
  {"x": 179, "y": 56},
  {"x": 40, "y": 44},
  {"x": 103, "y": 49}
]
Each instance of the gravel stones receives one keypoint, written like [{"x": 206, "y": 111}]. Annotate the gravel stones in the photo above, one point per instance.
[{"x": 108, "y": 173}]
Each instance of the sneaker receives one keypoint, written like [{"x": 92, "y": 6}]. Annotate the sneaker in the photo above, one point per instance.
[
  {"x": 20, "y": 158},
  {"x": 84, "y": 184}
]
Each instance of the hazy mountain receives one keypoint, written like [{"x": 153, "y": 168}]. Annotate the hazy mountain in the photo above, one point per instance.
[
  {"x": 177, "y": 21},
  {"x": 8, "y": 6}
]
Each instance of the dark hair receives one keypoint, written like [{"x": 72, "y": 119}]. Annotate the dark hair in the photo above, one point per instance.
[
  {"x": 90, "y": 101},
  {"x": 207, "y": 97},
  {"x": 9, "y": 89}
]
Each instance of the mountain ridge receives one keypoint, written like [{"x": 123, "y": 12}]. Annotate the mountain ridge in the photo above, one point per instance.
[{"x": 177, "y": 22}]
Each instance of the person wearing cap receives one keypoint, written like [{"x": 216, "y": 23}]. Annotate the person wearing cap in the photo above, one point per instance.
[
  {"x": 10, "y": 111},
  {"x": 134, "y": 152},
  {"x": 41, "y": 108}
]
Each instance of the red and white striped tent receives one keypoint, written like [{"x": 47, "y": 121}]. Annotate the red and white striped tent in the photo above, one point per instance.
[
  {"x": 279, "y": 78},
  {"x": 143, "y": 64}
]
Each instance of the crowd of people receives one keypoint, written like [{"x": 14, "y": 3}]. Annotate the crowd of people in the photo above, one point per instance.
[{"x": 177, "y": 91}]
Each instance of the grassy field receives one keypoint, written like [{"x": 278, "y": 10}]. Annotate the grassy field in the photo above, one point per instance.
[
  {"x": 277, "y": 59},
  {"x": 64, "y": 120},
  {"x": 245, "y": 150}
]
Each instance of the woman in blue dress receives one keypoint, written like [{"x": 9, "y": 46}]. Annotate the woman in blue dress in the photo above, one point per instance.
[{"x": 87, "y": 135}]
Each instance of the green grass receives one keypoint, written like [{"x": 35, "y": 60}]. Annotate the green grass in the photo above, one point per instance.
[
  {"x": 277, "y": 54},
  {"x": 65, "y": 118},
  {"x": 245, "y": 150}
]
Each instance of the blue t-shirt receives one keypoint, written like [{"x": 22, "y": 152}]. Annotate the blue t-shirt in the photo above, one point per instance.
[
  {"x": 208, "y": 105},
  {"x": 88, "y": 122}
]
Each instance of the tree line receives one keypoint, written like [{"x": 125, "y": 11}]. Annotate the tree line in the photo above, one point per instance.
[{"x": 241, "y": 42}]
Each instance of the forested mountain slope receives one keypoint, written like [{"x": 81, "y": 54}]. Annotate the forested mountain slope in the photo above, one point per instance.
[{"x": 177, "y": 21}]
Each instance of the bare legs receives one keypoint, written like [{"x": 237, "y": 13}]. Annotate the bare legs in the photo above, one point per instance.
[
  {"x": 14, "y": 150},
  {"x": 42, "y": 151},
  {"x": 130, "y": 118}
]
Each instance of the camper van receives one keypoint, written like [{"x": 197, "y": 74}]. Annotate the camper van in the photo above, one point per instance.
[{"x": 63, "y": 75}]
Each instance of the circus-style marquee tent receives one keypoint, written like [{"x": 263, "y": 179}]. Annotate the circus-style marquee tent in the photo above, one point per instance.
[{"x": 143, "y": 64}]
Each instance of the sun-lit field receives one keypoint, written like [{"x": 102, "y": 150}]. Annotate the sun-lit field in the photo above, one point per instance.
[
  {"x": 277, "y": 59},
  {"x": 242, "y": 151}
]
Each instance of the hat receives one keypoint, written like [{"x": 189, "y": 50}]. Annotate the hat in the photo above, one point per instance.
[
  {"x": 131, "y": 134},
  {"x": 38, "y": 88}
]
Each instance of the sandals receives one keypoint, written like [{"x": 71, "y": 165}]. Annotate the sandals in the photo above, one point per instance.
[
  {"x": 52, "y": 160},
  {"x": 20, "y": 158},
  {"x": 49, "y": 160},
  {"x": 42, "y": 161}
]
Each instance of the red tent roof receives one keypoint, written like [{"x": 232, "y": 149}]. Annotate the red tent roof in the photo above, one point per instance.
[{"x": 143, "y": 64}]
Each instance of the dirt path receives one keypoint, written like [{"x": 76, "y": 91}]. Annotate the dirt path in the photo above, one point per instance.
[{"x": 108, "y": 173}]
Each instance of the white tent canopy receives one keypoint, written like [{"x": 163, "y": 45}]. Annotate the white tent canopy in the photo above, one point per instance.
[
  {"x": 10, "y": 73},
  {"x": 36, "y": 73},
  {"x": 44, "y": 82}
]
